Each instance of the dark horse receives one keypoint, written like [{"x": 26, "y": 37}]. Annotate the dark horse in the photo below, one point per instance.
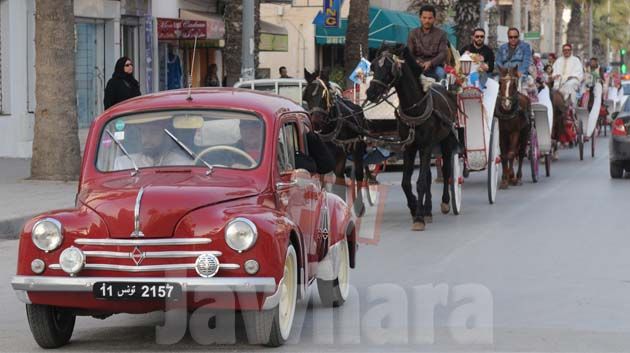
[
  {"x": 339, "y": 122},
  {"x": 513, "y": 113},
  {"x": 428, "y": 117}
]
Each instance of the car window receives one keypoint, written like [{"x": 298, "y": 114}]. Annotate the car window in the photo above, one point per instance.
[
  {"x": 224, "y": 139},
  {"x": 626, "y": 89},
  {"x": 265, "y": 87},
  {"x": 288, "y": 144}
]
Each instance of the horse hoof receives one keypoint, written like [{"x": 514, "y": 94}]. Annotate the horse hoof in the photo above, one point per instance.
[
  {"x": 445, "y": 208},
  {"x": 418, "y": 226},
  {"x": 504, "y": 185},
  {"x": 428, "y": 219},
  {"x": 439, "y": 180}
]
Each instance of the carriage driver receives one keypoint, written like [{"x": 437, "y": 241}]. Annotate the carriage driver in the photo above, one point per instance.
[
  {"x": 516, "y": 53},
  {"x": 568, "y": 74},
  {"x": 428, "y": 44}
]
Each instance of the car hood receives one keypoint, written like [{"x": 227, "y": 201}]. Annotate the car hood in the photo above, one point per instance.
[{"x": 160, "y": 201}]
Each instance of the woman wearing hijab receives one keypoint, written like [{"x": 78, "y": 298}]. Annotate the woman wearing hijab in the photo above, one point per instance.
[{"x": 122, "y": 85}]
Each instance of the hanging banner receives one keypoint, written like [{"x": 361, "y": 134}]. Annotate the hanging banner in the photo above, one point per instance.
[
  {"x": 170, "y": 28},
  {"x": 332, "y": 13}
]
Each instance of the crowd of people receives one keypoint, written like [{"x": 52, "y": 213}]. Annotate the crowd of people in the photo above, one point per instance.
[{"x": 430, "y": 47}]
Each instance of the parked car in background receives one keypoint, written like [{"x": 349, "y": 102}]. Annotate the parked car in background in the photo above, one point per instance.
[
  {"x": 620, "y": 143},
  {"x": 291, "y": 88},
  {"x": 187, "y": 197}
]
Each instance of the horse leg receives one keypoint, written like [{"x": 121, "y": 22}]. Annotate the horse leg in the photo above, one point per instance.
[
  {"x": 504, "y": 141},
  {"x": 357, "y": 156},
  {"x": 409, "y": 156},
  {"x": 447, "y": 172},
  {"x": 512, "y": 154},
  {"x": 339, "y": 186},
  {"x": 428, "y": 214},
  {"x": 421, "y": 188}
]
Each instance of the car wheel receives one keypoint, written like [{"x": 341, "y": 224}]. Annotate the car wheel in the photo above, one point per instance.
[
  {"x": 273, "y": 327},
  {"x": 51, "y": 326},
  {"x": 616, "y": 171},
  {"x": 334, "y": 293}
]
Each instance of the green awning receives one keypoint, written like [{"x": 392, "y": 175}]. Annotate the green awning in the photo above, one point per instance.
[{"x": 386, "y": 26}]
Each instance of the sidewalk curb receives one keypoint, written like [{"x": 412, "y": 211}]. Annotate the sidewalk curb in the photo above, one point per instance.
[{"x": 11, "y": 228}]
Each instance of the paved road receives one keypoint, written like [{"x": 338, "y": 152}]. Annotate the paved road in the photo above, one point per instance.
[{"x": 545, "y": 269}]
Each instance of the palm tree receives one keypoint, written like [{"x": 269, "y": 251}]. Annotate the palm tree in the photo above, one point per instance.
[
  {"x": 56, "y": 152},
  {"x": 558, "y": 25},
  {"x": 574, "y": 29},
  {"x": 233, "y": 18},
  {"x": 466, "y": 20},
  {"x": 535, "y": 20},
  {"x": 357, "y": 34},
  {"x": 441, "y": 8}
]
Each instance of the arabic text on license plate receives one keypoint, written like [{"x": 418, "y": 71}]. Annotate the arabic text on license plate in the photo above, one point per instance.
[{"x": 137, "y": 291}]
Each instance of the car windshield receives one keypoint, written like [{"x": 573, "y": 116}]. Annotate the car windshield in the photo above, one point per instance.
[{"x": 224, "y": 139}]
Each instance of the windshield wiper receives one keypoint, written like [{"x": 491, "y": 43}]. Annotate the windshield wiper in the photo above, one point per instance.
[
  {"x": 192, "y": 154},
  {"x": 124, "y": 151}
]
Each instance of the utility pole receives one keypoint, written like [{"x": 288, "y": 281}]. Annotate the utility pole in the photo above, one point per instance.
[
  {"x": 247, "y": 50},
  {"x": 608, "y": 58}
]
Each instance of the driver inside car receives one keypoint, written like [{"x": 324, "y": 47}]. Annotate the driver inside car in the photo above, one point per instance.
[{"x": 156, "y": 149}]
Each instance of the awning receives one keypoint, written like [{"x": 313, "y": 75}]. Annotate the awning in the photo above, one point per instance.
[
  {"x": 386, "y": 26},
  {"x": 273, "y": 37}
]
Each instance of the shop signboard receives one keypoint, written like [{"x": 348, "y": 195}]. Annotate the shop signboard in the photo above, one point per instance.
[{"x": 181, "y": 29}]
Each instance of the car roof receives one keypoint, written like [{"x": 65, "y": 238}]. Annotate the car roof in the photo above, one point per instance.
[{"x": 268, "y": 105}]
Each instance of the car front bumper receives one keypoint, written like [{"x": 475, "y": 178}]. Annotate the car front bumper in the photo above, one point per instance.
[{"x": 78, "y": 287}]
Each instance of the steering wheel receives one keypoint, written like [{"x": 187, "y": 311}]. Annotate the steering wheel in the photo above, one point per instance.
[{"x": 227, "y": 148}]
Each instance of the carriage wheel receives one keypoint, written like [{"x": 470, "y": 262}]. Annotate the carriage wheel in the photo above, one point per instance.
[
  {"x": 548, "y": 164},
  {"x": 493, "y": 162},
  {"x": 534, "y": 153},
  {"x": 593, "y": 145},
  {"x": 580, "y": 138},
  {"x": 457, "y": 179}
]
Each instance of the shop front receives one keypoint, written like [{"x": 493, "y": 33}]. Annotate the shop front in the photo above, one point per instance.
[{"x": 176, "y": 45}]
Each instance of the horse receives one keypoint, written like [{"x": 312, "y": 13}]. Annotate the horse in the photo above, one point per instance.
[
  {"x": 561, "y": 116},
  {"x": 425, "y": 121},
  {"x": 513, "y": 113},
  {"x": 339, "y": 122}
]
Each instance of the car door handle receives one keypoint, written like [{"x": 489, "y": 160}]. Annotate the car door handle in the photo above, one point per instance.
[{"x": 285, "y": 185}]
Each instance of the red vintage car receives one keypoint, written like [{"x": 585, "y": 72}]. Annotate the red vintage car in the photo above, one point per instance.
[{"x": 187, "y": 197}]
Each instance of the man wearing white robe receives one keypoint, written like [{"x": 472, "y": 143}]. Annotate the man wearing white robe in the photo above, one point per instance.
[{"x": 568, "y": 74}]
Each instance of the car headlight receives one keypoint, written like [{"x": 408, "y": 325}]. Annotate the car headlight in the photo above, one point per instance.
[
  {"x": 72, "y": 260},
  {"x": 46, "y": 234},
  {"x": 241, "y": 234}
]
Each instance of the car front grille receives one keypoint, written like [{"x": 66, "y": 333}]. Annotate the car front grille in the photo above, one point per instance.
[{"x": 107, "y": 254}]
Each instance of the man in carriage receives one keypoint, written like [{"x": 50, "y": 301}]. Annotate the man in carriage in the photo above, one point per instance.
[
  {"x": 429, "y": 45},
  {"x": 568, "y": 74},
  {"x": 516, "y": 53}
]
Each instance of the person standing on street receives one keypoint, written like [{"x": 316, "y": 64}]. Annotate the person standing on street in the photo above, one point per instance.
[
  {"x": 122, "y": 85},
  {"x": 429, "y": 45}
]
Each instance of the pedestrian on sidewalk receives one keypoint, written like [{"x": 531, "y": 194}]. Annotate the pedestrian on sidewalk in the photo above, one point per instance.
[{"x": 122, "y": 85}]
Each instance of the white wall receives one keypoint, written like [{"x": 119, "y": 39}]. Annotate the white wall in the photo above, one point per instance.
[{"x": 17, "y": 123}]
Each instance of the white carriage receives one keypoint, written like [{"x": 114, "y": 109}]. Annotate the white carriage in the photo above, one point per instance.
[
  {"x": 540, "y": 138},
  {"x": 587, "y": 120},
  {"x": 479, "y": 133}
]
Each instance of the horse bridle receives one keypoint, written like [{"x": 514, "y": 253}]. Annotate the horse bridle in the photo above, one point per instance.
[
  {"x": 326, "y": 97},
  {"x": 396, "y": 72}
]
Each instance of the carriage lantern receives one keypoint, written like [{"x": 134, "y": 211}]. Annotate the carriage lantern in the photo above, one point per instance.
[{"x": 466, "y": 63}]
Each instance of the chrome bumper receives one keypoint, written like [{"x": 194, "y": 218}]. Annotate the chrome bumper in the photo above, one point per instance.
[{"x": 24, "y": 284}]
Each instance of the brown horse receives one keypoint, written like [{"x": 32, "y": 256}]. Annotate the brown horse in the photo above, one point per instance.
[
  {"x": 561, "y": 114},
  {"x": 513, "y": 112}
]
